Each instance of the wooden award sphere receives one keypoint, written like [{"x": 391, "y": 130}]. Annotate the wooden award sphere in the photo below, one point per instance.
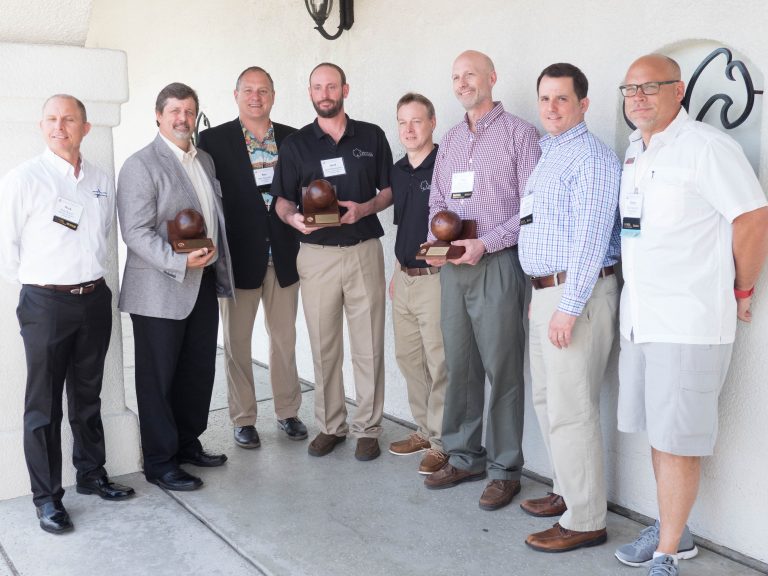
[
  {"x": 446, "y": 225},
  {"x": 321, "y": 193},
  {"x": 189, "y": 223}
]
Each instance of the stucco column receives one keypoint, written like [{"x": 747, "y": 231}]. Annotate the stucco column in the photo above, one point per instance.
[{"x": 30, "y": 74}]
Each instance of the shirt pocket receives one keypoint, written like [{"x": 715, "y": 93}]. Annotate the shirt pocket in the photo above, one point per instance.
[{"x": 666, "y": 193}]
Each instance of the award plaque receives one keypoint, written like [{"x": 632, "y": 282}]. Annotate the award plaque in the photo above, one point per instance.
[
  {"x": 320, "y": 205},
  {"x": 186, "y": 232},
  {"x": 447, "y": 226}
]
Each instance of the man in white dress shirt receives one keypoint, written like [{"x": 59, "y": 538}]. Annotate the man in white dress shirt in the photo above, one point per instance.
[{"x": 56, "y": 213}]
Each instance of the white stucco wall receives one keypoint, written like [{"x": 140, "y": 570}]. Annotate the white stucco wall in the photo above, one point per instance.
[
  {"x": 401, "y": 45},
  {"x": 30, "y": 74}
]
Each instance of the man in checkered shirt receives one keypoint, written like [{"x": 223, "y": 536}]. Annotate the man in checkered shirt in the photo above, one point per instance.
[
  {"x": 480, "y": 172},
  {"x": 569, "y": 244}
]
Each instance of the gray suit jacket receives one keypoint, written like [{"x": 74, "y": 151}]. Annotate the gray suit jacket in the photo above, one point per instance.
[{"x": 151, "y": 189}]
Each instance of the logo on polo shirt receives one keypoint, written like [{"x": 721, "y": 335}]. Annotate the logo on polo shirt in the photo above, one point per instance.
[
  {"x": 357, "y": 153},
  {"x": 425, "y": 185}
]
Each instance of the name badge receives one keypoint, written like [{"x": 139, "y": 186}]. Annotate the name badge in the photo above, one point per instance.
[
  {"x": 462, "y": 184},
  {"x": 526, "y": 210},
  {"x": 631, "y": 213},
  {"x": 333, "y": 167},
  {"x": 67, "y": 213},
  {"x": 264, "y": 176}
]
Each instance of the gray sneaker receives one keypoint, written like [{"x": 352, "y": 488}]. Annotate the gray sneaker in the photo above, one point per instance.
[
  {"x": 664, "y": 566},
  {"x": 640, "y": 552}
]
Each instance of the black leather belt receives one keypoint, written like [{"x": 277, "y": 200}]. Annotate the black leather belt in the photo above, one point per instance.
[
  {"x": 78, "y": 289},
  {"x": 425, "y": 271},
  {"x": 559, "y": 278}
]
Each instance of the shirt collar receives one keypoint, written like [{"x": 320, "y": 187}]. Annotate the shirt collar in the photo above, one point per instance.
[
  {"x": 669, "y": 133},
  {"x": 571, "y": 134},
  {"x": 178, "y": 152},
  {"x": 426, "y": 164},
  {"x": 349, "y": 130},
  {"x": 488, "y": 118},
  {"x": 62, "y": 166},
  {"x": 269, "y": 135}
]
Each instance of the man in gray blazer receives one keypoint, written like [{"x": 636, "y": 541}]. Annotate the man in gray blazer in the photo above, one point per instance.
[{"x": 170, "y": 296}]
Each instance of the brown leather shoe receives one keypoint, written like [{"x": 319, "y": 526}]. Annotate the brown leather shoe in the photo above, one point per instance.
[
  {"x": 499, "y": 493},
  {"x": 324, "y": 444},
  {"x": 449, "y": 476},
  {"x": 367, "y": 449},
  {"x": 559, "y": 539},
  {"x": 432, "y": 461},
  {"x": 550, "y": 505},
  {"x": 411, "y": 445}
]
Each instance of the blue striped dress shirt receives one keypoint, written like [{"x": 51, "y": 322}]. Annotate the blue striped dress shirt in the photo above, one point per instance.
[{"x": 575, "y": 224}]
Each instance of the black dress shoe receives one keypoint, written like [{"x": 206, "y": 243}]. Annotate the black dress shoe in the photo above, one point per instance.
[
  {"x": 54, "y": 518},
  {"x": 178, "y": 480},
  {"x": 293, "y": 427},
  {"x": 104, "y": 488},
  {"x": 203, "y": 459},
  {"x": 247, "y": 437}
]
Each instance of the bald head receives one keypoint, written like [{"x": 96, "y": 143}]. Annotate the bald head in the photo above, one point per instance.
[
  {"x": 75, "y": 101},
  {"x": 663, "y": 65},
  {"x": 477, "y": 59},
  {"x": 473, "y": 78}
]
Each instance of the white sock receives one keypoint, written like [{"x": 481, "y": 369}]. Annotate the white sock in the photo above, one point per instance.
[{"x": 673, "y": 556}]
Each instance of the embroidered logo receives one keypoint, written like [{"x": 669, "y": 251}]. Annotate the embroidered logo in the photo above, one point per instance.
[
  {"x": 425, "y": 185},
  {"x": 357, "y": 153}
]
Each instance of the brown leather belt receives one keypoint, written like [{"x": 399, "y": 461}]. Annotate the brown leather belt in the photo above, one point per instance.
[
  {"x": 78, "y": 289},
  {"x": 559, "y": 278},
  {"x": 427, "y": 271}
]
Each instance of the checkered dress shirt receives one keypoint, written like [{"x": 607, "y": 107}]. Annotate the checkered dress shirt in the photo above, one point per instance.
[
  {"x": 575, "y": 224},
  {"x": 502, "y": 153}
]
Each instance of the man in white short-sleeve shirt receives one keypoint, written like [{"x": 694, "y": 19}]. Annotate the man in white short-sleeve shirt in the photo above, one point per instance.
[{"x": 694, "y": 239}]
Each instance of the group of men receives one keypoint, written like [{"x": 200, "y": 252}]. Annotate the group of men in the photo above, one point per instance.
[{"x": 684, "y": 214}]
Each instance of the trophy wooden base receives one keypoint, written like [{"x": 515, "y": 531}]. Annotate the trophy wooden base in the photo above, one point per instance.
[
  {"x": 320, "y": 206},
  {"x": 442, "y": 250},
  {"x": 324, "y": 219},
  {"x": 184, "y": 245}
]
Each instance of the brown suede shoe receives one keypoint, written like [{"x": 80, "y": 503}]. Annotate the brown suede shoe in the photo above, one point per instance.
[
  {"x": 411, "y": 445},
  {"x": 432, "y": 461},
  {"x": 559, "y": 539},
  {"x": 449, "y": 476},
  {"x": 367, "y": 449},
  {"x": 499, "y": 493},
  {"x": 324, "y": 444},
  {"x": 550, "y": 505}
]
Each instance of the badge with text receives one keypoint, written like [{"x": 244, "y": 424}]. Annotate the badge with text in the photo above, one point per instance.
[
  {"x": 264, "y": 176},
  {"x": 462, "y": 184},
  {"x": 526, "y": 210},
  {"x": 333, "y": 167},
  {"x": 630, "y": 218},
  {"x": 67, "y": 213}
]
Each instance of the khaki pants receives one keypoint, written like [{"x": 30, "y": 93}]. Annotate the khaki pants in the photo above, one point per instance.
[
  {"x": 566, "y": 396},
  {"x": 238, "y": 316},
  {"x": 419, "y": 350},
  {"x": 345, "y": 280}
]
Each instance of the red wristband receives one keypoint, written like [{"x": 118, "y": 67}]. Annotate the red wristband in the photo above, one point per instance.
[{"x": 741, "y": 294}]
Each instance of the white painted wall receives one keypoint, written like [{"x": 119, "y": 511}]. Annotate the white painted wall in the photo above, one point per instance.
[
  {"x": 400, "y": 45},
  {"x": 30, "y": 73}
]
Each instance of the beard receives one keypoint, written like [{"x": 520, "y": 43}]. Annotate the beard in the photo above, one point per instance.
[{"x": 328, "y": 112}]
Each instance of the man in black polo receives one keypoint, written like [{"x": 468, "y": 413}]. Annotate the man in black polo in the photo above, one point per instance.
[
  {"x": 341, "y": 268},
  {"x": 415, "y": 286},
  {"x": 263, "y": 251}
]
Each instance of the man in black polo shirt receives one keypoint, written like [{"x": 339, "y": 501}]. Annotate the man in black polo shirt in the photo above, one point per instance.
[
  {"x": 340, "y": 268},
  {"x": 415, "y": 286}
]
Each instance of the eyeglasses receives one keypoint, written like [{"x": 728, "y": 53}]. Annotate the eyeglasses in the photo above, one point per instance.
[{"x": 648, "y": 88}]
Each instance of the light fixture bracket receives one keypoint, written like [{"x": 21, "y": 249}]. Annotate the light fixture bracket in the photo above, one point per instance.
[{"x": 319, "y": 10}]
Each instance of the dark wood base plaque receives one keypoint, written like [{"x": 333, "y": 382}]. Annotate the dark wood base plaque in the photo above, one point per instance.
[
  {"x": 182, "y": 245},
  {"x": 320, "y": 205},
  {"x": 441, "y": 250}
]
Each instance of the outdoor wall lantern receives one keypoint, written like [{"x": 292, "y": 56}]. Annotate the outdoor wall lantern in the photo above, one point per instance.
[{"x": 321, "y": 9}]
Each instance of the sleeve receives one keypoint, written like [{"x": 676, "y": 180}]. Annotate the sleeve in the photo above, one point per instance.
[
  {"x": 12, "y": 220},
  {"x": 594, "y": 198},
  {"x": 384, "y": 167},
  {"x": 726, "y": 179},
  {"x": 137, "y": 210},
  {"x": 437, "y": 189},
  {"x": 286, "y": 182}
]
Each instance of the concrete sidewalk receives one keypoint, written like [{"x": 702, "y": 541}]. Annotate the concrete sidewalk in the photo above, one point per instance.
[{"x": 278, "y": 511}]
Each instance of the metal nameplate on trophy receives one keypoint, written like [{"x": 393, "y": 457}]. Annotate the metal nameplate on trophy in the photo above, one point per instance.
[
  {"x": 320, "y": 205},
  {"x": 186, "y": 232},
  {"x": 447, "y": 226}
]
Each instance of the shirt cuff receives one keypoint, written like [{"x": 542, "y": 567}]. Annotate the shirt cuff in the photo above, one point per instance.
[{"x": 571, "y": 306}]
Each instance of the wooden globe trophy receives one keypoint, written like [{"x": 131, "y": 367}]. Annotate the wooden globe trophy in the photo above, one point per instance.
[
  {"x": 320, "y": 205},
  {"x": 186, "y": 232},
  {"x": 447, "y": 226}
]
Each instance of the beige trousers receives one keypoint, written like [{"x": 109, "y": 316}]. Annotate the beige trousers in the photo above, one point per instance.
[
  {"x": 566, "y": 396},
  {"x": 336, "y": 281},
  {"x": 238, "y": 317},
  {"x": 419, "y": 350}
]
